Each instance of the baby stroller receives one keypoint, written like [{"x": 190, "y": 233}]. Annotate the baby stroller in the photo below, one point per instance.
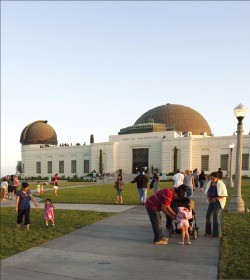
[{"x": 193, "y": 228}]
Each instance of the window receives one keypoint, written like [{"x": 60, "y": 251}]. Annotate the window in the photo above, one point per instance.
[
  {"x": 205, "y": 162},
  {"x": 224, "y": 161},
  {"x": 61, "y": 166},
  {"x": 86, "y": 166},
  {"x": 73, "y": 166},
  {"x": 38, "y": 167},
  {"x": 49, "y": 167},
  {"x": 245, "y": 161}
]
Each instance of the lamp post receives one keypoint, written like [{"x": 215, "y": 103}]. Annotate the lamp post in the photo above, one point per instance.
[
  {"x": 237, "y": 203},
  {"x": 231, "y": 184}
]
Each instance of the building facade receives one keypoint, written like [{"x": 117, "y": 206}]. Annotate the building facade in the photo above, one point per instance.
[{"x": 162, "y": 139}]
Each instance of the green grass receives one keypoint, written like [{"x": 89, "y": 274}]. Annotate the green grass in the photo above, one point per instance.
[
  {"x": 235, "y": 245},
  {"x": 15, "y": 240},
  {"x": 234, "y": 250},
  {"x": 98, "y": 194}
]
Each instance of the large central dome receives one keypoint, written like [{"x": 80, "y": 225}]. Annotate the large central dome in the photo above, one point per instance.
[{"x": 179, "y": 117}]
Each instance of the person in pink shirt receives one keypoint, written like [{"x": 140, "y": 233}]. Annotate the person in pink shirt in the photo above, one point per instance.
[{"x": 183, "y": 215}]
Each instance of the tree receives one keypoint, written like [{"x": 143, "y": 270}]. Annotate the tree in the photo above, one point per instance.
[{"x": 100, "y": 163}]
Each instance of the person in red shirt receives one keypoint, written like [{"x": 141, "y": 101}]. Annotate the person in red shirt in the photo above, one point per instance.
[{"x": 161, "y": 201}]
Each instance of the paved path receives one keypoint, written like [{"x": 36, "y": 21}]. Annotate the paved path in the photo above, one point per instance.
[{"x": 118, "y": 247}]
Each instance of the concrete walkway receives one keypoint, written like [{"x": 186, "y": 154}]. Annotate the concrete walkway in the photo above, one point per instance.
[{"x": 118, "y": 247}]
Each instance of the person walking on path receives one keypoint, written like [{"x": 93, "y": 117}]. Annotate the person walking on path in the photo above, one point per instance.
[
  {"x": 178, "y": 178},
  {"x": 189, "y": 182},
  {"x": 119, "y": 184},
  {"x": 202, "y": 180},
  {"x": 216, "y": 193},
  {"x": 49, "y": 212},
  {"x": 183, "y": 215},
  {"x": 23, "y": 205},
  {"x": 141, "y": 180},
  {"x": 161, "y": 201}
]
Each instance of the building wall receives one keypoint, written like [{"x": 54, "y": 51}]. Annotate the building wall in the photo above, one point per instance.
[{"x": 117, "y": 153}]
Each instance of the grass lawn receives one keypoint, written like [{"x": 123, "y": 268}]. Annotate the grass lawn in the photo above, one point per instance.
[
  {"x": 235, "y": 245},
  {"x": 98, "y": 194},
  {"x": 15, "y": 240}
]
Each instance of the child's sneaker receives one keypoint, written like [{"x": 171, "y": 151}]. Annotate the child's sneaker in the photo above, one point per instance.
[
  {"x": 188, "y": 243},
  {"x": 181, "y": 243}
]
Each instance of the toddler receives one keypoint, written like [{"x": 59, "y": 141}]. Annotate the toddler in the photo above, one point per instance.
[
  {"x": 49, "y": 212},
  {"x": 184, "y": 214}
]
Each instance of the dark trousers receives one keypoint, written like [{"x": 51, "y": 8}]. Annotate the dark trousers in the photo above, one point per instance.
[
  {"x": 155, "y": 219},
  {"x": 213, "y": 211},
  {"x": 26, "y": 214}
]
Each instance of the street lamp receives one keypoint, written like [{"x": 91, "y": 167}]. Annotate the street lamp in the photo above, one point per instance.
[
  {"x": 237, "y": 203},
  {"x": 231, "y": 184}
]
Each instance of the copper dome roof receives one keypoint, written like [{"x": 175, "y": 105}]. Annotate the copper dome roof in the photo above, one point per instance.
[
  {"x": 38, "y": 132},
  {"x": 181, "y": 118}
]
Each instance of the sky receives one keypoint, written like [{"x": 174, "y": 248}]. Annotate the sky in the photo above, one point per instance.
[{"x": 94, "y": 67}]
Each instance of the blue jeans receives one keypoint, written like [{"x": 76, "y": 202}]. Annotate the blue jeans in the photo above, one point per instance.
[
  {"x": 155, "y": 219},
  {"x": 189, "y": 191},
  {"x": 214, "y": 210},
  {"x": 142, "y": 195}
]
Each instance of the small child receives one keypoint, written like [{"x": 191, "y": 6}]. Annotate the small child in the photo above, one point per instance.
[
  {"x": 38, "y": 189},
  {"x": 184, "y": 214},
  {"x": 49, "y": 212}
]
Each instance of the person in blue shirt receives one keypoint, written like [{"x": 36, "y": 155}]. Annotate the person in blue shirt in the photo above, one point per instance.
[{"x": 23, "y": 198}]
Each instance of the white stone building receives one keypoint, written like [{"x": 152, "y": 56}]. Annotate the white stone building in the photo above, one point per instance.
[{"x": 162, "y": 139}]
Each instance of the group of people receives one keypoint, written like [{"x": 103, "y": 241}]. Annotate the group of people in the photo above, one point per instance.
[
  {"x": 23, "y": 198},
  {"x": 9, "y": 187},
  {"x": 162, "y": 200},
  {"x": 181, "y": 192}
]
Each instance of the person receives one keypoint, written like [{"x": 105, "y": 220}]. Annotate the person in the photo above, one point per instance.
[
  {"x": 178, "y": 178},
  {"x": 4, "y": 187},
  {"x": 141, "y": 179},
  {"x": 38, "y": 189},
  {"x": 154, "y": 182},
  {"x": 189, "y": 182},
  {"x": 220, "y": 173},
  {"x": 161, "y": 201},
  {"x": 183, "y": 215},
  {"x": 49, "y": 212},
  {"x": 119, "y": 184},
  {"x": 202, "y": 180},
  {"x": 216, "y": 193},
  {"x": 23, "y": 205},
  {"x": 16, "y": 183},
  {"x": 196, "y": 178},
  {"x": 11, "y": 187},
  {"x": 55, "y": 181}
]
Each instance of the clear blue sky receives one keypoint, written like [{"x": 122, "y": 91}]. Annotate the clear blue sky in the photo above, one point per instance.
[{"x": 94, "y": 67}]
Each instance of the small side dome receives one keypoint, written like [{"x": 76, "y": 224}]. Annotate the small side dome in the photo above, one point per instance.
[{"x": 38, "y": 132}]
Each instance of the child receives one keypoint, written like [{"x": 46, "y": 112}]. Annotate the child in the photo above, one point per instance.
[
  {"x": 119, "y": 187},
  {"x": 184, "y": 214},
  {"x": 49, "y": 212},
  {"x": 38, "y": 189}
]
